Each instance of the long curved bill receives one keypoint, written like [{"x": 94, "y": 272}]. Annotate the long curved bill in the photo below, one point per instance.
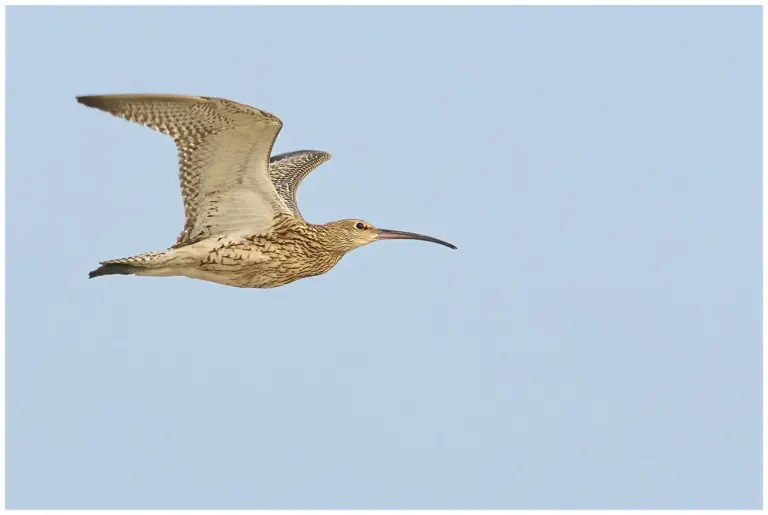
[{"x": 387, "y": 234}]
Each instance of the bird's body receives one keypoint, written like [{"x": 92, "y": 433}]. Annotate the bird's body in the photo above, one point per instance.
[
  {"x": 243, "y": 227},
  {"x": 291, "y": 250}
]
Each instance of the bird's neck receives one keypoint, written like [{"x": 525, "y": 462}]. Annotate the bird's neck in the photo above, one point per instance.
[
  {"x": 317, "y": 239},
  {"x": 329, "y": 239}
]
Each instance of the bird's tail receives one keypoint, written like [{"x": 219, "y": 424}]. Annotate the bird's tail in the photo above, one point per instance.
[
  {"x": 114, "y": 269},
  {"x": 149, "y": 263}
]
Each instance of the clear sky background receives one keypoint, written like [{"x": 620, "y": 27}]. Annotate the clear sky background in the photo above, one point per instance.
[{"x": 594, "y": 342}]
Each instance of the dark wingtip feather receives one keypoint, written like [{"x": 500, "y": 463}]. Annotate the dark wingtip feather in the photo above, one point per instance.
[
  {"x": 113, "y": 269},
  {"x": 88, "y": 100}
]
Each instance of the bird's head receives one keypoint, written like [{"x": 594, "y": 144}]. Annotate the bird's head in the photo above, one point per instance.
[{"x": 350, "y": 234}]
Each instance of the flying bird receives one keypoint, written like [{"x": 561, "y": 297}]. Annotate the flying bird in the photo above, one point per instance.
[{"x": 242, "y": 225}]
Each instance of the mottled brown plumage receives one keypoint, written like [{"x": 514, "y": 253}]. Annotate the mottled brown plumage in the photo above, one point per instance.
[{"x": 242, "y": 225}]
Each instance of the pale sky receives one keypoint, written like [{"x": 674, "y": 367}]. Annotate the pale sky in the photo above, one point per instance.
[{"x": 593, "y": 343}]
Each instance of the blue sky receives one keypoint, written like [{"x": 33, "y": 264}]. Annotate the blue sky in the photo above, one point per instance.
[{"x": 594, "y": 342}]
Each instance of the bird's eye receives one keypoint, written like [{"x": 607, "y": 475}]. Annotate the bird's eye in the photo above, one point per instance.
[{"x": 360, "y": 225}]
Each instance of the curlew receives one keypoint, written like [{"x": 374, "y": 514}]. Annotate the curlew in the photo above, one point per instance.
[{"x": 242, "y": 225}]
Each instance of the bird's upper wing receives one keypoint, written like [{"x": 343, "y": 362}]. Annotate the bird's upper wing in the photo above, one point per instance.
[
  {"x": 224, "y": 150},
  {"x": 289, "y": 169}
]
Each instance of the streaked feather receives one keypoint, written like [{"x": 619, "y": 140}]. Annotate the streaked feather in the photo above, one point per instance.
[
  {"x": 224, "y": 150},
  {"x": 289, "y": 169}
]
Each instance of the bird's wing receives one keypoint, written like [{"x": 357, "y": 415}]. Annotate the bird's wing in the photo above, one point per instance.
[
  {"x": 224, "y": 150},
  {"x": 289, "y": 169}
]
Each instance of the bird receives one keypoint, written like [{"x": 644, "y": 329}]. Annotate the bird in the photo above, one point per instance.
[{"x": 243, "y": 227}]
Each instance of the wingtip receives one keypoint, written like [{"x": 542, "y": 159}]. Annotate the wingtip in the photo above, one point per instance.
[
  {"x": 97, "y": 272},
  {"x": 87, "y": 100},
  {"x": 114, "y": 269}
]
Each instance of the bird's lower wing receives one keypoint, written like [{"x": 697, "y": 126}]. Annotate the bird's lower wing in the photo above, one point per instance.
[{"x": 224, "y": 150}]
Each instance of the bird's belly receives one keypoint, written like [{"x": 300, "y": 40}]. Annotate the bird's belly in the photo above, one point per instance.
[
  {"x": 242, "y": 278},
  {"x": 247, "y": 268}
]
